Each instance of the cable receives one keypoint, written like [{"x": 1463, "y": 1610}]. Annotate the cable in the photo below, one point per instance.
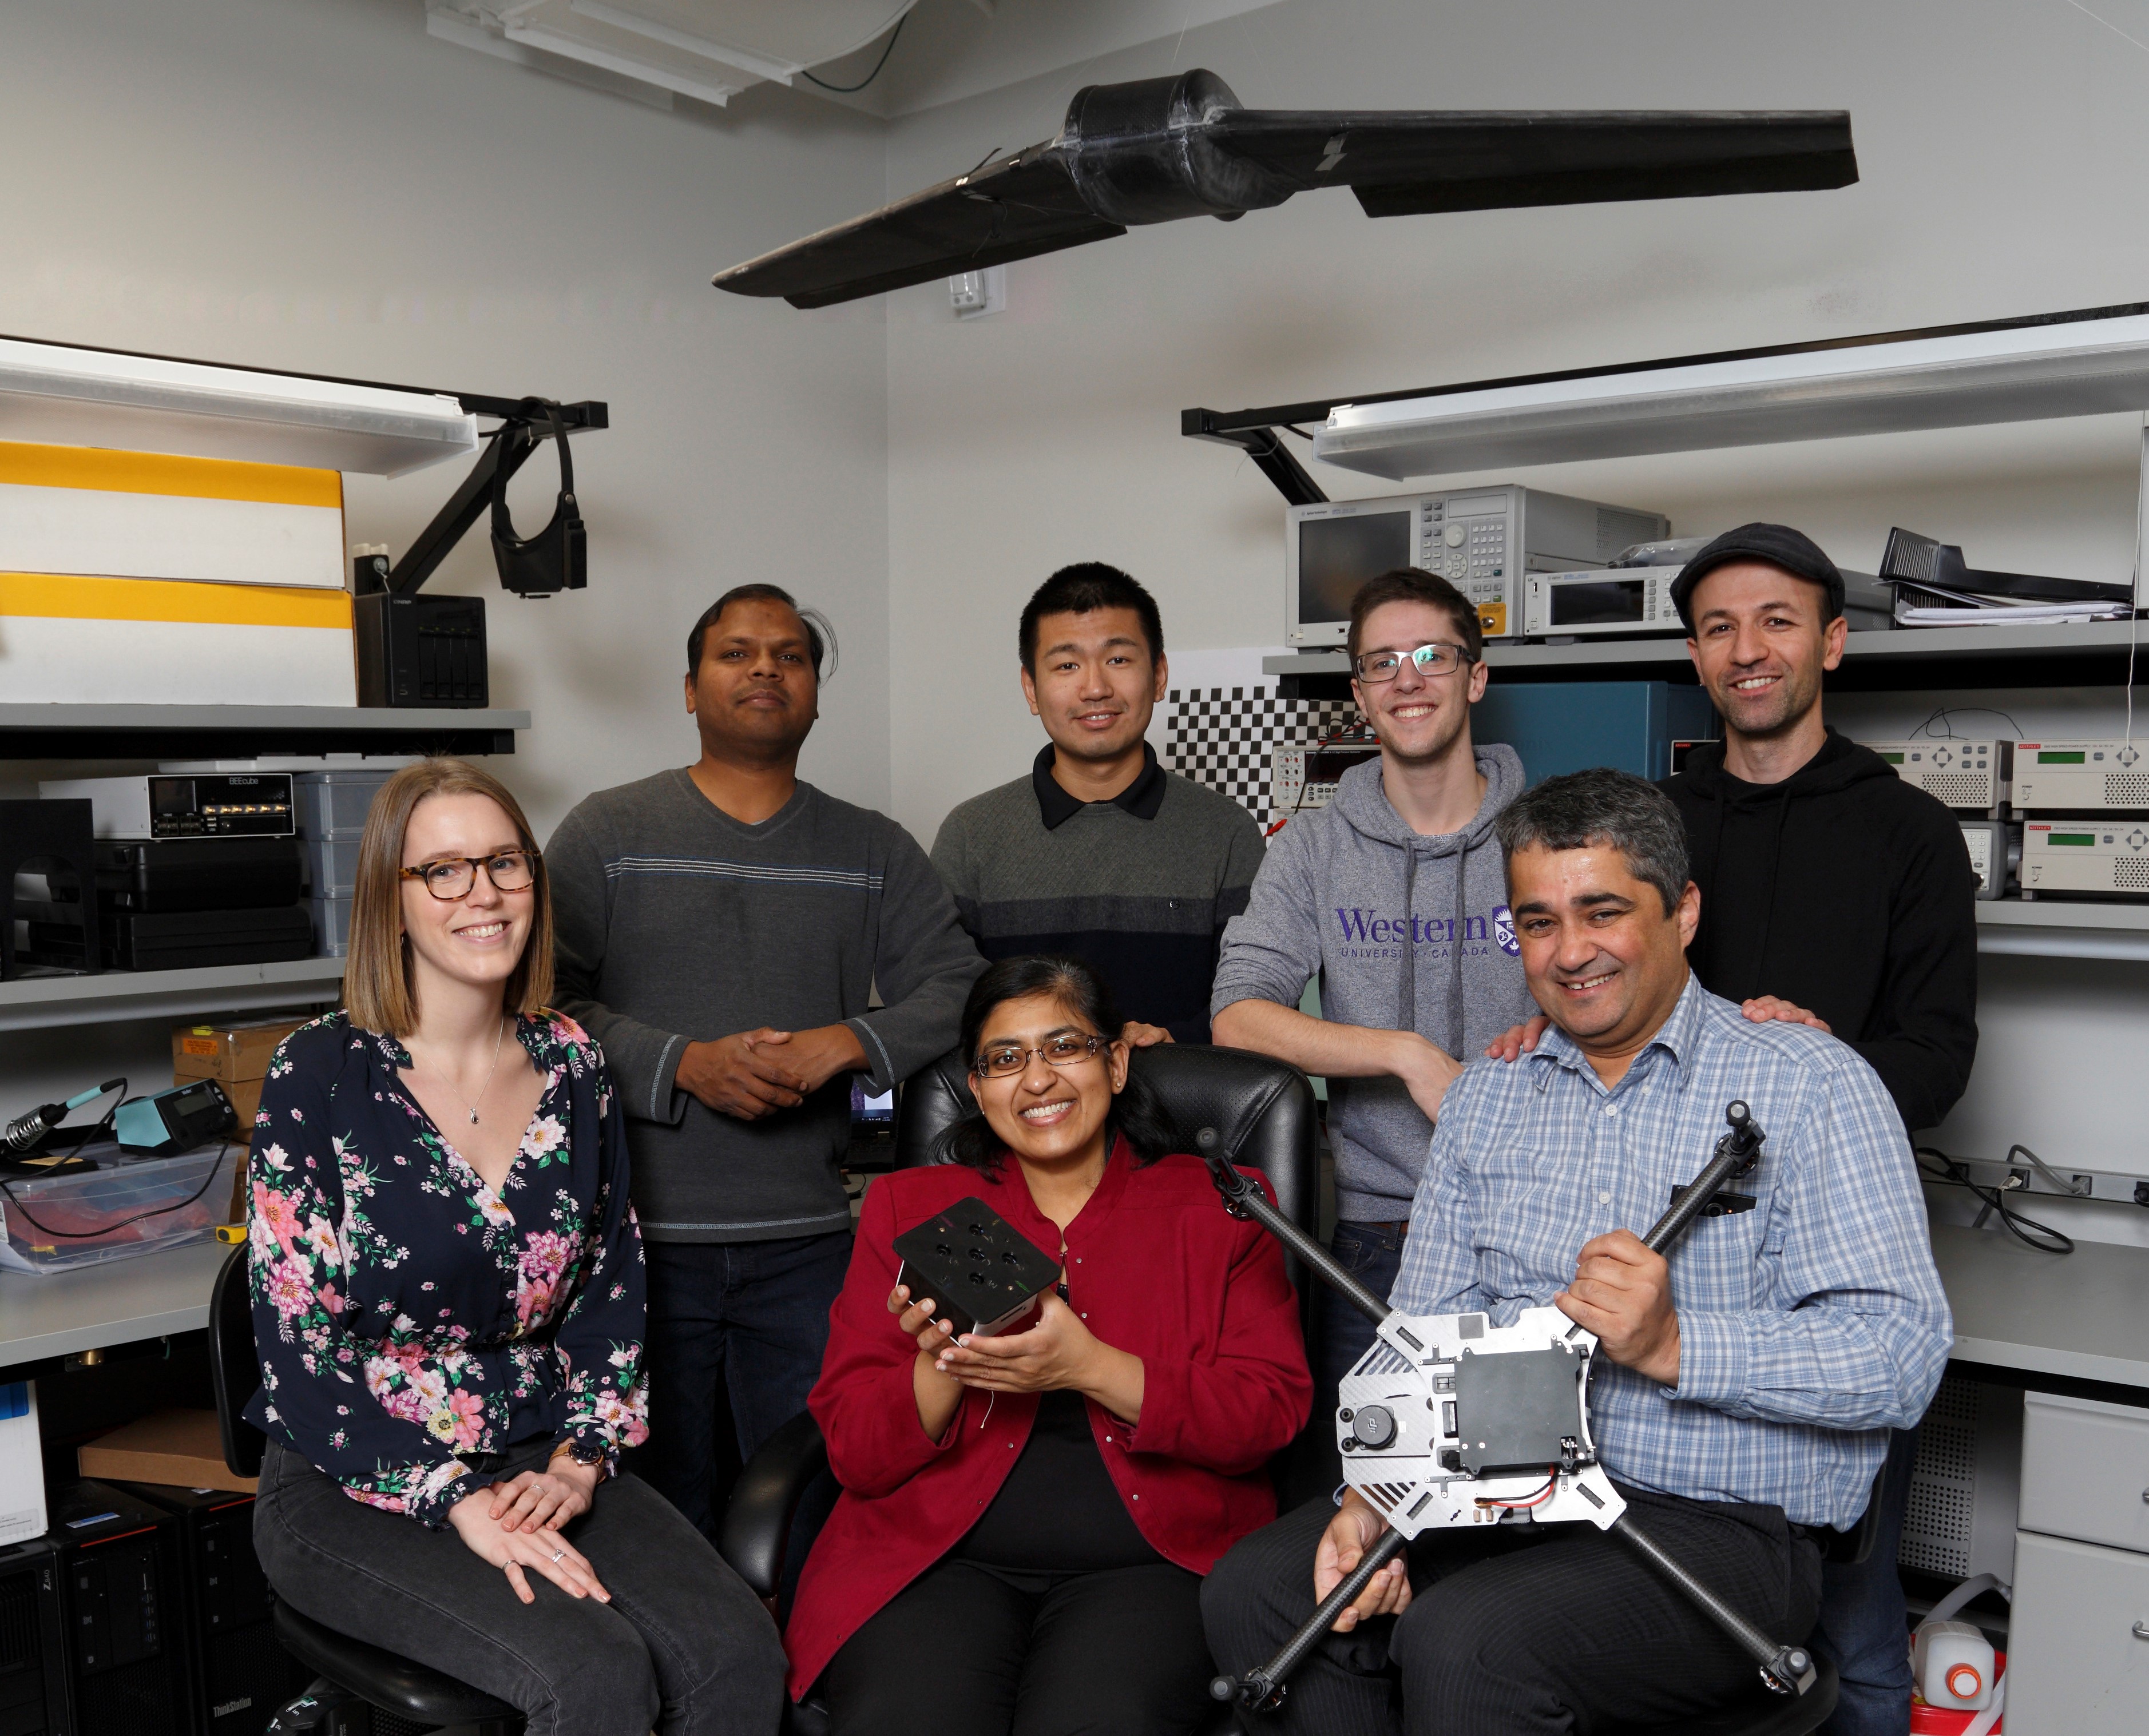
[
  {"x": 844, "y": 90},
  {"x": 223, "y": 1147},
  {"x": 1538, "y": 1499},
  {"x": 1946, "y": 712},
  {"x": 1955, "y": 1172}
]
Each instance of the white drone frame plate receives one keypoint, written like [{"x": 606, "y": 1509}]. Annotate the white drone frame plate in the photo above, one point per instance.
[{"x": 1411, "y": 1371}]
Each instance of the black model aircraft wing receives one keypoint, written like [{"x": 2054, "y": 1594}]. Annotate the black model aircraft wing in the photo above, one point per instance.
[
  {"x": 1402, "y": 165},
  {"x": 1156, "y": 149},
  {"x": 1010, "y": 209}
]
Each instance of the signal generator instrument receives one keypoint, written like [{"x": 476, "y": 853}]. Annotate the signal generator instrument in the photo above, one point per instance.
[
  {"x": 2085, "y": 857},
  {"x": 1481, "y": 540},
  {"x": 2088, "y": 777},
  {"x": 1303, "y": 775},
  {"x": 198, "y": 805},
  {"x": 1971, "y": 775},
  {"x": 1449, "y": 1421},
  {"x": 1623, "y": 599}
]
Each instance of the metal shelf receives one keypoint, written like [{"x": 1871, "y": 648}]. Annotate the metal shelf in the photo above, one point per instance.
[
  {"x": 2053, "y": 928},
  {"x": 38, "y": 1003},
  {"x": 1909, "y": 659},
  {"x": 195, "y": 732}
]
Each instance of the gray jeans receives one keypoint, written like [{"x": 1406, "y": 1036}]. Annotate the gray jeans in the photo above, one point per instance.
[{"x": 684, "y": 1648}]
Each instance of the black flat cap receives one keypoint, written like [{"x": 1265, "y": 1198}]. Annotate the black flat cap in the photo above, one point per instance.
[{"x": 1777, "y": 545}]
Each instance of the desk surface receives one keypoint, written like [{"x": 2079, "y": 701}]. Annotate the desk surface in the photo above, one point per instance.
[
  {"x": 2084, "y": 1315},
  {"x": 151, "y": 1297}
]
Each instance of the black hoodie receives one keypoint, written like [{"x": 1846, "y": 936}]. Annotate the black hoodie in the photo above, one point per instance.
[{"x": 1847, "y": 891}]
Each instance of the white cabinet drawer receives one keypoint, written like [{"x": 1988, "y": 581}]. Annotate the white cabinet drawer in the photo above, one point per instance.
[
  {"x": 2077, "y": 1664},
  {"x": 2085, "y": 1472}
]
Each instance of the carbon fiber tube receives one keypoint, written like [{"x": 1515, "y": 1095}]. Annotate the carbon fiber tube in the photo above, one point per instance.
[
  {"x": 1243, "y": 1199},
  {"x": 1264, "y": 1687}
]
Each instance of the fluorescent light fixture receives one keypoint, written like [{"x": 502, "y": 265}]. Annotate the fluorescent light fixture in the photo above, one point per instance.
[
  {"x": 61, "y": 396},
  {"x": 2018, "y": 371}
]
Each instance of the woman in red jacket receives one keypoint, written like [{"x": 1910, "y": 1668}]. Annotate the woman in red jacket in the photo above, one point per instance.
[{"x": 1025, "y": 1519}]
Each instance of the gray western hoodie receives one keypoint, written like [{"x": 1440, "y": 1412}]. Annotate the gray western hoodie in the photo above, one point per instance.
[{"x": 1407, "y": 933}]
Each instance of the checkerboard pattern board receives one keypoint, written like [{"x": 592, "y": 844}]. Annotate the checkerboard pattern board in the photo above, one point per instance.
[{"x": 1221, "y": 736}]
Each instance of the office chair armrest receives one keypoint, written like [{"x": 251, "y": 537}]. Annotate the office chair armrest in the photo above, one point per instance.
[{"x": 755, "y": 1536}]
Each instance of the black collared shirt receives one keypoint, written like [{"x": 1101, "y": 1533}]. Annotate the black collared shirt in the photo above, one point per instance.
[{"x": 1142, "y": 798}]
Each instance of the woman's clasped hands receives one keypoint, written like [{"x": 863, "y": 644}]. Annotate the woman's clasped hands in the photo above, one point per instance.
[{"x": 515, "y": 1525}]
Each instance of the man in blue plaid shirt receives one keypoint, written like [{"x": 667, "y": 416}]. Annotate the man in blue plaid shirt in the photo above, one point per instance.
[{"x": 1745, "y": 1387}]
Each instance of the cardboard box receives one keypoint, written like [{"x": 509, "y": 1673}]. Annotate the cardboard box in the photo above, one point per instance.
[
  {"x": 179, "y": 1447},
  {"x": 149, "y": 515},
  {"x": 68, "y": 640},
  {"x": 229, "y": 1052}
]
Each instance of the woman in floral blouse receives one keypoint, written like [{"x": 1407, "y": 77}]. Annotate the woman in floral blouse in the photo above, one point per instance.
[{"x": 448, "y": 1305}]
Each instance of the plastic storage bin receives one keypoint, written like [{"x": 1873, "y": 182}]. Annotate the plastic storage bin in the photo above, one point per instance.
[
  {"x": 124, "y": 1208},
  {"x": 331, "y": 866},
  {"x": 331, "y": 926},
  {"x": 333, "y": 804}
]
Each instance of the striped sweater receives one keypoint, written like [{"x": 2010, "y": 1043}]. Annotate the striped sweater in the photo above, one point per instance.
[{"x": 676, "y": 924}]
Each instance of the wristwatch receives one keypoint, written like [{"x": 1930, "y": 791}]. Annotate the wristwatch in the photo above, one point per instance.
[{"x": 582, "y": 1452}]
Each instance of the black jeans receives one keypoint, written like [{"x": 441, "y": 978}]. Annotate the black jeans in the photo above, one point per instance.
[
  {"x": 1520, "y": 1629},
  {"x": 737, "y": 1326},
  {"x": 994, "y": 1652},
  {"x": 684, "y": 1648}
]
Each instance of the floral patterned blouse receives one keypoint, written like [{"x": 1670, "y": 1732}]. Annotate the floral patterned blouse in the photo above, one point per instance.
[{"x": 407, "y": 1319}]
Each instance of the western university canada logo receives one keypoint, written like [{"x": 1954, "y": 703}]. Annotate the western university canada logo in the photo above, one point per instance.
[{"x": 1504, "y": 931}]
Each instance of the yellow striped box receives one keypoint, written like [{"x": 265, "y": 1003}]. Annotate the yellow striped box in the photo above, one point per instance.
[
  {"x": 72, "y": 639},
  {"x": 144, "y": 515}
]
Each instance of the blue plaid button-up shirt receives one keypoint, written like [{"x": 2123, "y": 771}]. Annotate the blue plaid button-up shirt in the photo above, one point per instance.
[{"x": 1809, "y": 1325}]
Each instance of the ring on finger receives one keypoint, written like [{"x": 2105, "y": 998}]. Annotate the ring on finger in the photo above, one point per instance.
[{"x": 558, "y": 1556}]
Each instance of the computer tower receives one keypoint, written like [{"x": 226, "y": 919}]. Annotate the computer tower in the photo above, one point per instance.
[
  {"x": 33, "y": 1674},
  {"x": 1562, "y": 726},
  {"x": 125, "y": 1657},
  {"x": 236, "y": 1674}
]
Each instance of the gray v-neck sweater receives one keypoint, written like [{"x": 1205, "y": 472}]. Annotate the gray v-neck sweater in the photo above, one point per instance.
[{"x": 677, "y": 924}]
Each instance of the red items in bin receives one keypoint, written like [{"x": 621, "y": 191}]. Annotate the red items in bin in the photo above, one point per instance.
[{"x": 123, "y": 1208}]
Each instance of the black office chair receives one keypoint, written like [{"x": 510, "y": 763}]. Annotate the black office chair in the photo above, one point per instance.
[
  {"x": 406, "y": 1698},
  {"x": 1264, "y": 1110}
]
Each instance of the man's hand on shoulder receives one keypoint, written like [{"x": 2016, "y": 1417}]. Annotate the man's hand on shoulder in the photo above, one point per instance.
[
  {"x": 1764, "y": 1008},
  {"x": 1138, "y": 1035},
  {"x": 1517, "y": 1040},
  {"x": 1427, "y": 1068},
  {"x": 1622, "y": 1293}
]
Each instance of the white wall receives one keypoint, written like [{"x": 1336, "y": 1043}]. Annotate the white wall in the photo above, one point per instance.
[
  {"x": 2000, "y": 177},
  {"x": 317, "y": 185}
]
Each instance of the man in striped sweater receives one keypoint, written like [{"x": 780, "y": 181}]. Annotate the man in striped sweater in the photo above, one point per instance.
[
  {"x": 720, "y": 928},
  {"x": 1099, "y": 851}
]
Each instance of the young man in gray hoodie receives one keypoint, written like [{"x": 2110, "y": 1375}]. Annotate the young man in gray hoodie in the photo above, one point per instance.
[{"x": 1396, "y": 894}]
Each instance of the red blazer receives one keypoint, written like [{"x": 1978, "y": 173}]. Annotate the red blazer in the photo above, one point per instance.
[{"x": 1158, "y": 1269}]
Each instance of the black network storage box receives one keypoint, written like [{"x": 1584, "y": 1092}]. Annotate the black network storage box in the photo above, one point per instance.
[{"x": 420, "y": 650}]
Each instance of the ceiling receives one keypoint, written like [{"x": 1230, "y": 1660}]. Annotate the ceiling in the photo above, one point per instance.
[{"x": 903, "y": 55}]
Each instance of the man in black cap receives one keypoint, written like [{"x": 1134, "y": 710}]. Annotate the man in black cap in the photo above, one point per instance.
[{"x": 1834, "y": 895}]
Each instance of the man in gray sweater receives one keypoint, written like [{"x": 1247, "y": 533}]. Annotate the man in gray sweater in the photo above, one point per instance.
[
  {"x": 720, "y": 928},
  {"x": 1396, "y": 894}
]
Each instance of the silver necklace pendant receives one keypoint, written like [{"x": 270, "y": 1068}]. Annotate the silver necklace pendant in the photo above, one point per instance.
[{"x": 473, "y": 1117}]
